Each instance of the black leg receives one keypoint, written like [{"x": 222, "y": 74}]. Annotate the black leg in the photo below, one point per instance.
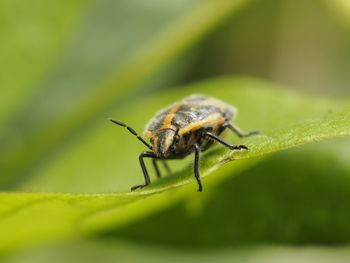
[
  {"x": 196, "y": 168},
  {"x": 154, "y": 161},
  {"x": 144, "y": 170},
  {"x": 166, "y": 166},
  {"x": 239, "y": 132},
  {"x": 228, "y": 145}
]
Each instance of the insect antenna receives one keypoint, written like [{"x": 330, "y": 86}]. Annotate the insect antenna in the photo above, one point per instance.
[{"x": 133, "y": 132}]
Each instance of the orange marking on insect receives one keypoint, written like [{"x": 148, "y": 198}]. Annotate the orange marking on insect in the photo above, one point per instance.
[
  {"x": 192, "y": 127},
  {"x": 218, "y": 125},
  {"x": 155, "y": 143},
  {"x": 148, "y": 134},
  {"x": 207, "y": 122},
  {"x": 167, "y": 121}
]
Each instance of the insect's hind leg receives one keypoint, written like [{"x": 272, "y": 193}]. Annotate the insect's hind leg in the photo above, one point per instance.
[
  {"x": 166, "y": 166},
  {"x": 238, "y": 131},
  {"x": 196, "y": 168},
  {"x": 156, "y": 168},
  {"x": 144, "y": 169},
  {"x": 228, "y": 145}
]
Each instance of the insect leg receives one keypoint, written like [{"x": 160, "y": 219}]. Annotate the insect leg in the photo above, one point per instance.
[
  {"x": 144, "y": 170},
  {"x": 166, "y": 166},
  {"x": 196, "y": 167},
  {"x": 154, "y": 161},
  {"x": 228, "y": 145},
  {"x": 133, "y": 132},
  {"x": 238, "y": 131}
]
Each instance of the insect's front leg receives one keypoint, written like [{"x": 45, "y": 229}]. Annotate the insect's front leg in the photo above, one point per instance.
[
  {"x": 238, "y": 131},
  {"x": 196, "y": 167},
  {"x": 144, "y": 169}
]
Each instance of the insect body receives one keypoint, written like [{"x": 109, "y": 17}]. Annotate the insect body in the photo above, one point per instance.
[{"x": 189, "y": 126}]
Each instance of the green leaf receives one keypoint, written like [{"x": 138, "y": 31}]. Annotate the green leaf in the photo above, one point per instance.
[
  {"x": 286, "y": 119},
  {"x": 291, "y": 193},
  {"x": 108, "y": 251},
  {"x": 295, "y": 197}
]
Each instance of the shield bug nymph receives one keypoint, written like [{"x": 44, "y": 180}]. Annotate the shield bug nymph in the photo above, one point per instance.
[{"x": 190, "y": 125}]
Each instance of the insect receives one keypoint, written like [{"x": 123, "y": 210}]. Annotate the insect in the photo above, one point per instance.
[{"x": 191, "y": 125}]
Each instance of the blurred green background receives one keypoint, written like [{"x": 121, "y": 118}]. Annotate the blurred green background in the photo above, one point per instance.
[{"x": 68, "y": 66}]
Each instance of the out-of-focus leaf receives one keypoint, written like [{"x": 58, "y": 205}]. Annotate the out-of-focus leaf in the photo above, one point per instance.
[
  {"x": 119, "y": 48},
  {"x": 108, "y": 251},
  {"x": 341, "y": 9},
  {"x": 276, "y": 40},
  {"x": 33, "y": 35},
  {"x": 286, "y": 120}
]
